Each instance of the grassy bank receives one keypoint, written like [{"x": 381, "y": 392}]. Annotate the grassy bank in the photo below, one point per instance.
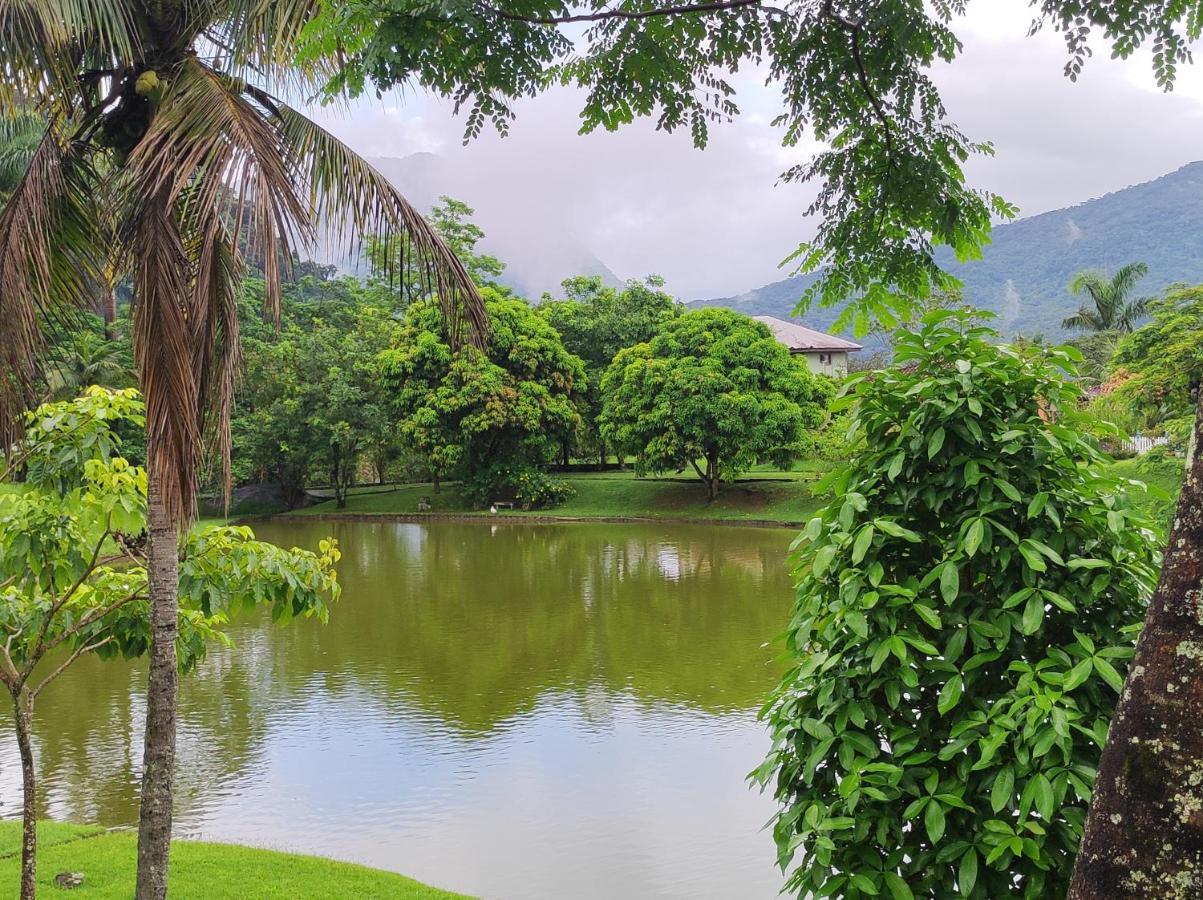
[
  {"x": 786, "y": 498},
  {"x": 780, "y": 497},
  {"x": 199, "y": 871}
]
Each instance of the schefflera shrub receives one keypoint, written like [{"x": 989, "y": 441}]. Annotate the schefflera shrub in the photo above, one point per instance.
[{"x": 965, "y": 606}]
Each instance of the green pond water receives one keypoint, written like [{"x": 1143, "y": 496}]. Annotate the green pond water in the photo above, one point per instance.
[{"x": 507, "y": 710}]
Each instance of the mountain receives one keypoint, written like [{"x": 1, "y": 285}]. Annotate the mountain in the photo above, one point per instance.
[
  {"x": 1024, "y": 272},
  {"x": 538, "y": 251}
]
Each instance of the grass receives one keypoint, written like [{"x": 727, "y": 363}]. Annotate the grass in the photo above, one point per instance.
[
  {"x": 787, "y": 498},
  {"x": 1163, "y": 478},
  {"x": 199, "y": 871}
]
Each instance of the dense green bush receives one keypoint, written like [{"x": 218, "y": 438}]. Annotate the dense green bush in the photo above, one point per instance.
[
  {"x": 964, "y": 609},
  {"x": 515, "y": 481}
]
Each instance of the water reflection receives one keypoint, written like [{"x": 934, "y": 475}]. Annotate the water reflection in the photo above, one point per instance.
[{"x": 504, "y": 709}]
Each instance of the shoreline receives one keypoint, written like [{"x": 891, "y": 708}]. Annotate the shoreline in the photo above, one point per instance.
[{"x": 512, "y": 517}]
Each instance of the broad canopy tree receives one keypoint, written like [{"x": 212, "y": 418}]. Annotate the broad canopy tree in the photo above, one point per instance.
[
  {"x": 494, "y": 416},
  {"x": 596, "y": 321},
  {"x": 715, "y": 391}
]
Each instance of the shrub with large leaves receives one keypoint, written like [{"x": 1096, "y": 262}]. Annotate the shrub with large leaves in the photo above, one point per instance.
[{"x": 964, "y": 609}]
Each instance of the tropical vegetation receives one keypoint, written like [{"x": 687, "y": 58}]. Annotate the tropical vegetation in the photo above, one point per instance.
[{"x": 965, "y": 610}]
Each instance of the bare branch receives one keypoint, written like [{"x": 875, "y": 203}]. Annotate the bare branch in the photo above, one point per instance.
[{"x": 76, "y": 654}]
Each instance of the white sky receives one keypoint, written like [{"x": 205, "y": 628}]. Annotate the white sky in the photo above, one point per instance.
[{"x": 716, "y": 222}]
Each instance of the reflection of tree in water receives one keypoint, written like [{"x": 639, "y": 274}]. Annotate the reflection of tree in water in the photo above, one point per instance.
[
  {"x": 471, "y": 623},
  {"x": 474, "y": 622},
  {"x": 88, "y": 732}
]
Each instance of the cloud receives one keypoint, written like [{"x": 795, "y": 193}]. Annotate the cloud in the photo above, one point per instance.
[{"x": 717, "y": 222}]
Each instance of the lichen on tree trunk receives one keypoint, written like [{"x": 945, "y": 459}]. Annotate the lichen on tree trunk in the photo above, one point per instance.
[
  {"x": 154, "y": 824},
  {"x": 1144, "y": 833}
]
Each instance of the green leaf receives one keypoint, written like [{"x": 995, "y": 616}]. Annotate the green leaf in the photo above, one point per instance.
[
  {"x": 879, "y": 656},
  {"x": 967, "y": 874},
  {"x": 861, "y": 546},
  {"x": 950, "y": 694},
  {"x": 1002, "y": 789},
  {"x": 865, "y": 884},
  {"x": 935, "y": 442},
  {"x": 1077, "y": 675},
  {"x": 899, "y": 889},
  {"x": 933, "y": 821},
  {"x": 973, "y": 536},
  {"x": 822, "y": 561},
  {"x": 1109, "y": 674},
  {"x": 950, "y": 581},
  {"x": 928, "y": 615},
  {"x": 1044, "y": 797},
  {"x": 1033, "y": 614},
  {"x": 895, "y": 468}
]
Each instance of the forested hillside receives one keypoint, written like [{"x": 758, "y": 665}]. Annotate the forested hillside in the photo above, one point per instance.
[{"x": 1024, "y": 272}]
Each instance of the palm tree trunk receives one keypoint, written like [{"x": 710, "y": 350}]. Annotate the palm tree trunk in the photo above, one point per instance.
[
  {"x": 109, "y": 314},
  {"x": 158, "y": 761},
  {"x": 23, "y": 718},
  {"x": 1144, "y": 832}
]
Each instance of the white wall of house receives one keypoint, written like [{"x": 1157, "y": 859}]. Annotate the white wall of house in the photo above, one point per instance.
[{"x": 827, "y": 362}]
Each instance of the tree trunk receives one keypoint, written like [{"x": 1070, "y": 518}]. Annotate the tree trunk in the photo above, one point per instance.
[
  {"x": 158, "y": 761},
  {"x": 1144, "y": 832},
  {"x": 435, "y": 478},
  {"x": 109, "y": 313},
  {"x": 23, "y": 718},
  {"x": 712, "y": 480}
]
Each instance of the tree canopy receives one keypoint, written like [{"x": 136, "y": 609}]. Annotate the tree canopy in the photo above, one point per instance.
[
  {"x": 712, "y": 386},
  {"x": 595, "y": 322},
  {"x": 493, "y": 417},
  {"x": 854, "y": 76}
]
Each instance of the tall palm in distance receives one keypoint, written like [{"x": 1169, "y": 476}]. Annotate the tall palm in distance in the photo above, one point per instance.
[
  {"x": 165, "y": 156},
  {"x": 1110, "y": 308}
]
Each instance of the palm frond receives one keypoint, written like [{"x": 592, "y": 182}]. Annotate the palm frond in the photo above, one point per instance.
[
  {"x": 212, "y": 148},
  {"x": 20, "y": 136},
  {"x": 163, "y": 349},
  {"x": 1084, "y": 319},
  {"x": 216, "y": 348},
  {"x": 1125, "y": 279},
  {"x": 349, "y": 200},
  {"x": 49, "y": 259},
  {"x": 40, "y": 42},
  {"x": 261, "y": 37}
]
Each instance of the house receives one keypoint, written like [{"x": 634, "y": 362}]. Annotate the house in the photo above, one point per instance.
[{"x": 826, "y": 355}]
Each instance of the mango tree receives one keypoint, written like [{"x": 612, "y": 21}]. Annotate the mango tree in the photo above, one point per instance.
[{"x": 713, "y": 389}]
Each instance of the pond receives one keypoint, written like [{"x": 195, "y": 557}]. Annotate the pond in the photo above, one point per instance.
[{"x": 508, "y": 710}]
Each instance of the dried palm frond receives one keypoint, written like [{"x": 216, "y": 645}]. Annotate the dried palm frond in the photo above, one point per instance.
[
  {"x": 163, "y": 349},
  {"x": 49, "y": 252}
]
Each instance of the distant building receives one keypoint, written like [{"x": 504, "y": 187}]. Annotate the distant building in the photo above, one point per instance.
[{"x": 826, "y": 355}]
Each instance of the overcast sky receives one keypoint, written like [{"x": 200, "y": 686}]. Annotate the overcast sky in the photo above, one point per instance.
[{"x": 717, "y": 222}]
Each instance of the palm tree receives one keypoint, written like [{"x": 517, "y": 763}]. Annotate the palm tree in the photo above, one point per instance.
[
  {"x": 86, "y": 359},
  {"x": 1112, "y": 310},
  {"x": 166, "y": 156}
]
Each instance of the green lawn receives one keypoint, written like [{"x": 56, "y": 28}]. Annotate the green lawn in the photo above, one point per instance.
[
  {"x": 778, "y": 497},
  {"x": 1163, "y": 480},
  {"x": 199, "y": 871}
]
